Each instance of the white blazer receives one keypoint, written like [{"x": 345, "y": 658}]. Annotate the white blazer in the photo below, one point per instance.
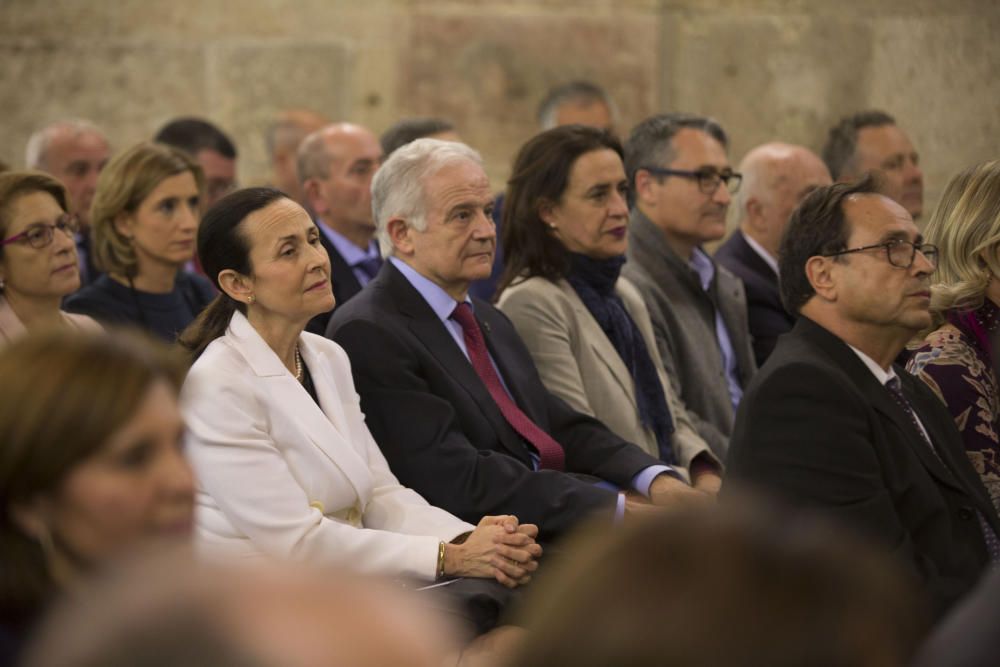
[{"x": 279, "y": 476}]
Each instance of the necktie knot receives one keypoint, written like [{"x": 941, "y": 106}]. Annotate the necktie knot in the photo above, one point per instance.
[{"x": 370, "y": 266}]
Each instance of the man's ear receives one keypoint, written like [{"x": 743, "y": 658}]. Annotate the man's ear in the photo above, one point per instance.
[
  {"x": 820, "y": 273},
  {"x": 645, "y": 183},
  {"x": 754, "y": 214},
  {"x": 236, "y": 285},
  {"x": 401, "y": 235},
  {"x": 312, "y": 189}
]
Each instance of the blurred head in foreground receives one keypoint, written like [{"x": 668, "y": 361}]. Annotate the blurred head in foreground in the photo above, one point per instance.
[
  {"x": 170, "y": 612},
  {"x": 90, "y": 459},
  {"x": 721, "y": 586}
]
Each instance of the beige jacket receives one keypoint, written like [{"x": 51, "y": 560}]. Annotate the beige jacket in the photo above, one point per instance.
[{"x": 579, "y": 364}]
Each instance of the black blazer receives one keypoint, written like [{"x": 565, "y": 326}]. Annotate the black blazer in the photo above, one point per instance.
[
  {"x": 345, "y": 285},
  {"x": 442, "y": 433},
  {"x": 816, "y": 428},
  {"x": 767, "y": 317}
]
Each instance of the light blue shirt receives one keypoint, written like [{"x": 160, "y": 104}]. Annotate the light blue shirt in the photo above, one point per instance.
[
  {"x": 351, "y": 253},
  {"x": 443, "y": 304},
  {"x": 705, "y": 269}
]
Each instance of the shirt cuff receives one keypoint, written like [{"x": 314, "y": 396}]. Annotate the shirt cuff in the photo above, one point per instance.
[
  {"x": 620, "y": 509},
  {"x": 642, "y": 481}
]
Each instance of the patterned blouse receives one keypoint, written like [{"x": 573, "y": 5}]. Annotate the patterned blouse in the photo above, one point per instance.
[{"x": 954, "y": 360}]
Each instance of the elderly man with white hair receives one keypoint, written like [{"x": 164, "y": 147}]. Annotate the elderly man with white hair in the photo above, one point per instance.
[
  {"x": 776, "y": 176},
  {"x": 448, "y": 388},
  {"x": 74, "y": 151}
]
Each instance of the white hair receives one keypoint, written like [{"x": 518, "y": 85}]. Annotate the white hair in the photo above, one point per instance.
[
  {"x": 36, "y": 153},
  {"x": 398, "y": 186}
]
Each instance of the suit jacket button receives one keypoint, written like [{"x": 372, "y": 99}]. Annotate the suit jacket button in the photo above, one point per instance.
[{"x": 966, "y": 513}]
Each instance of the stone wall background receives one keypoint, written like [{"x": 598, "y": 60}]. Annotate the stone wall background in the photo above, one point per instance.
[{"x": 767, "y": 69}]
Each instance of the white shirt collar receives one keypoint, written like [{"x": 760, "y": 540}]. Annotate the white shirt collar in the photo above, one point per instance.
[
  {"x": 764, "y": 254},
  {"x": 881, "y": 375}
]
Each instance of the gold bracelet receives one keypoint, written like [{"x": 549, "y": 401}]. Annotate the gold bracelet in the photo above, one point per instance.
[{"x": 440, "y": 567}]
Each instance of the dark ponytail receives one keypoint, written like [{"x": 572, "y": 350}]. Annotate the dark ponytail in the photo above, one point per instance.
[{"x": 223, "y": 244}]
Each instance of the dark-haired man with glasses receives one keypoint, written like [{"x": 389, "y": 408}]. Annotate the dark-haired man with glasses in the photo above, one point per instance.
[
  {"x": 682, "y": 183},
  {"x": 830, "y": 424}
]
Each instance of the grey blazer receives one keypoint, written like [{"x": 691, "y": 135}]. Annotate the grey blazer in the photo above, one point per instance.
[
  {"x": 683, "y": 317},
  {"x": 579, "y": 364}
]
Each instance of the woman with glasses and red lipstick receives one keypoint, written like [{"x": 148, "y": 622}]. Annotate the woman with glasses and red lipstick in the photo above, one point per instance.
[
  {"x": 143, "y": 225},
  {"x": 38, "y": 261},
  {"x": 587, "y": 329}
]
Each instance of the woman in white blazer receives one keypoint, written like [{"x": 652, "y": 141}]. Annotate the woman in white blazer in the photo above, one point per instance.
[
  {"x": 285, "y": 464},
  {"x": 38, "y": 259},
  {"x": 588, "y": 330}
]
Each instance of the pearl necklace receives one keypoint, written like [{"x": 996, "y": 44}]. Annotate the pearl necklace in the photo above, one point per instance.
[{"x": 298, "y": 364}]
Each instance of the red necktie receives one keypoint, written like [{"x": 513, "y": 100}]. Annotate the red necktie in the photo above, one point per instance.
[{"x": 550, "y": 452}]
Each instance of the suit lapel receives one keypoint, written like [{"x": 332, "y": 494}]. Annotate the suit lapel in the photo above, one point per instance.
[
  {"x": 880, "y": 399},
  {"x": 326, "y": 428},
  {"x": 430, "y": 331},
  {"x": 591, "y": 332}
]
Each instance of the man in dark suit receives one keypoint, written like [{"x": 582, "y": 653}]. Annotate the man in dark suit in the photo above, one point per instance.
[
  {"x": 449, "y": 390},
  {"x": 335, "y": 165},
  {"x": 830, "y": 424},
  {"x": 776, "y": 177}
]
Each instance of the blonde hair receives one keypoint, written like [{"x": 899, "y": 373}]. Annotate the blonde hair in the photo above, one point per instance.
[
  {"x": 123, "y": 185},
  {"x": 966, "y": 228}
]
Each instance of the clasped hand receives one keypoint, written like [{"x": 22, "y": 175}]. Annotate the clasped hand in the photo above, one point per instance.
[{"x": 499, "y": 547}]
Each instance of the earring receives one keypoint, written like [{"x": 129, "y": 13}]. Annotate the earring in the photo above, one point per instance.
[
  {"x": 250, "y": 299},
  {"x": 3, "y": 283},
  {"x": 552, "y": 225}
]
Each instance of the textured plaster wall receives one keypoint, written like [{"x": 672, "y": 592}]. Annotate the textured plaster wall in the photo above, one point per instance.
[{"x": 767, "y": 69}]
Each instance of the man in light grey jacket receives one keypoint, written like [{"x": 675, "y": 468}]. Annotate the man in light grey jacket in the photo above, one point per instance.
[{"x": 681, "y": 183}]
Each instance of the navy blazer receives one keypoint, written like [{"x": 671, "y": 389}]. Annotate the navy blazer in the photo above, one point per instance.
[
  {"x": 443, "y": 434},
  {"x": 766, "y": 315},
  {"x": 817, "y": 429},
  {"x": 345, "y": 285}
]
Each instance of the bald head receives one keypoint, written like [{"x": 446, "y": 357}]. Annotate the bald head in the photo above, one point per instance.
[
  {"x": 336, "y": 164},
  {"x": 776, "y": 177},
  {"x": 74, "y": 151},
  {"x": 284, "y": 134}
]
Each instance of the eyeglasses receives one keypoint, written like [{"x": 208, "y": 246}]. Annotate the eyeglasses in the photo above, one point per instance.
[
  {"x": 900, "y": 253},
  {"x": 708, "y": 179},
  {"x": 40, "y": 235}
]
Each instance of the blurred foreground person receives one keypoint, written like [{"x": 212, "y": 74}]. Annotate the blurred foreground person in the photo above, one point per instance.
[
  {"x": 144, "y": 219},
  {"x": 38, "y": 261},
  {"x": 173, "y": 613},
  {"x": 90, "y": 463},
  {"x": 720, "y": 586}
]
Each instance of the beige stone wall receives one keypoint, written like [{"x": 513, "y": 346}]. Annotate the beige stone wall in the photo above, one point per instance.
[{"x": 767, "y": 69}]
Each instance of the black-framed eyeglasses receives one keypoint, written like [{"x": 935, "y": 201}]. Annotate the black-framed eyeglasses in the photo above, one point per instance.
[
  {"x": 899, "y": 252},
  {"x": 40, "y": 235},
  {"x": 708, "y": 179}
]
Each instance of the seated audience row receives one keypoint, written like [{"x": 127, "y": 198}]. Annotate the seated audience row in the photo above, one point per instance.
[{"x": 286, "y": 466}]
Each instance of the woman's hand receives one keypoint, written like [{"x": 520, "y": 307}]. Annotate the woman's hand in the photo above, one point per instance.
[{"x": 499, "y": 547}]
